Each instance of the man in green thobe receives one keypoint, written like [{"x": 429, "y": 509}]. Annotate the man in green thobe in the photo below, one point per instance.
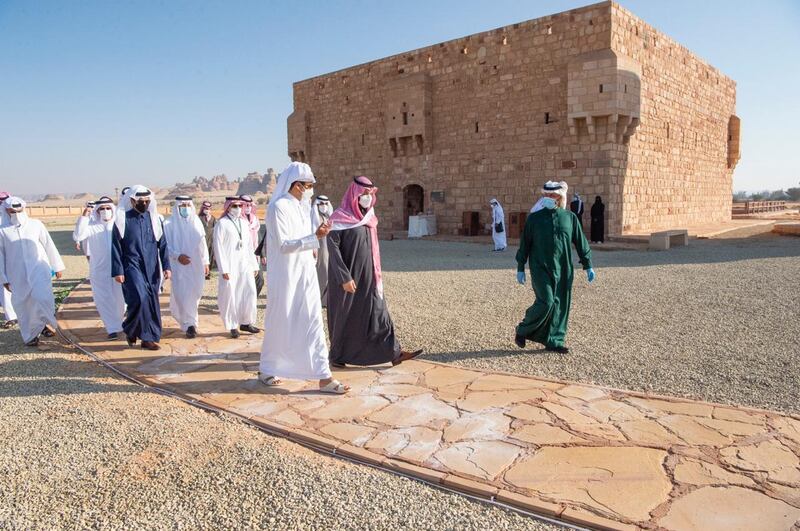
[{"x": 545, "y": 246}]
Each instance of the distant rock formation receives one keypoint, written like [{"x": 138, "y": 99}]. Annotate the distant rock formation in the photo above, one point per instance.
[
  {"x": 84, "y": 197},
  {"x": 54, "y": 197},
  {"x": 255, "y": 183},
  {"x": 202, "y": 184},
  {"x": 252, "y": 184},
  {"x": 219, "y": 183},
  {"x": 271, "y": 178}
]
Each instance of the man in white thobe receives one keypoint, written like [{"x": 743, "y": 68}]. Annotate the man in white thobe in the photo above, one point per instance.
[
  {"x": 237, "y": 266},
  {"x": 94, "y": 228},
  {"x": 294, "y": 342},
  {"x": 186, "y": 240},
  {"x": 28, "y": 261},
  {"x": 8, "y": 307},
  {"x": 250, "y": 218},
  {"x": 498, "y": 226},
  {"x": 82, "y": 246}
]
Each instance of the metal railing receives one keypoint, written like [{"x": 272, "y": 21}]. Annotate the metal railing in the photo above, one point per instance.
[{"x": 756, "y": 207}]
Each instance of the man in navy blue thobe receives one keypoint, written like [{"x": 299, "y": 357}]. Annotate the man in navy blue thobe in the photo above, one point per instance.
[{"x": 138, "y": 256}]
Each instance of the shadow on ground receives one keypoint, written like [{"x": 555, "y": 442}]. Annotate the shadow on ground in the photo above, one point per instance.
[{"x": 449, "y": 357}]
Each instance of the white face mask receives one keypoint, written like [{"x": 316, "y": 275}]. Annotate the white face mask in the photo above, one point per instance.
[
  {"x": 18, "y": 218},
  {"x": 183, "y": 211},
  {"x": 308, "y": 193},
  {"x": 235, "y": 212},
  {"x": 365, "y": 201},
  {"x": 326, "y": 209},
  {"x": 106, "y": 215}
]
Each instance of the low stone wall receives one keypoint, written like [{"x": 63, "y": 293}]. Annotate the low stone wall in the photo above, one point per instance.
[
  {"x": 787, "y": 229},
  {"x": 65, "y": 211}
]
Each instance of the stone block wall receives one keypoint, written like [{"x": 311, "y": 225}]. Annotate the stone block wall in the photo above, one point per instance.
[
  {"x": 497, "y": 114},
  {"x": 678, "y": 171},
  {"x": 603, "y": 107}
]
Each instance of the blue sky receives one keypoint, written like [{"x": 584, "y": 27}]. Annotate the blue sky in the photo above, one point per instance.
[{"x": 99, "y": 93}]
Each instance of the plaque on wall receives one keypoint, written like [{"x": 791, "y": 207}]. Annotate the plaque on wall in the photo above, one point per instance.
[{"x": 437, "y": 197}]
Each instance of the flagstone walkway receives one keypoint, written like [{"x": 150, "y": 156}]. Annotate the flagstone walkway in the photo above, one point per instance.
[{"x": 588, "y": 455}]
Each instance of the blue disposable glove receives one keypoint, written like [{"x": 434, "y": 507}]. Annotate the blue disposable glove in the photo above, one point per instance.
[
  {"x": 521, "y": 277},
  {"x": 590, "y": 274}
]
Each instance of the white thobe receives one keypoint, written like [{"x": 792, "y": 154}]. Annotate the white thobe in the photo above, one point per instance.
[
  {"x": 107, "y": 292},
  {"x": 498, "y": 216},
  {"x": 233, "y": 251},
  {"x": 8, "y": 306},
  {"x": 27, "y": 258},
  {"x": 186, "y": 236},
  {"x": 294, "y": 338}
]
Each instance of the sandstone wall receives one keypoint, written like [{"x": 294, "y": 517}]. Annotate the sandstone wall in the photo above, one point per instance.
[
  {"x": 498, "y": 113},
  {"x": 679, "y": 167},
  {"x": 486, "y": 118}
]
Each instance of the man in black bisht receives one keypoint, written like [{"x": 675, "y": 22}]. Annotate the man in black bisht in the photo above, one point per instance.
[{"x": 361, "y": 329}]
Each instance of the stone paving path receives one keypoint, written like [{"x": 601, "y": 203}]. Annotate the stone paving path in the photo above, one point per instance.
[{"x": 597, "y": 457}]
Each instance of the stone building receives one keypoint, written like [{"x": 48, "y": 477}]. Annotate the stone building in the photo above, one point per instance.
[{"x": 594, "y": 96}]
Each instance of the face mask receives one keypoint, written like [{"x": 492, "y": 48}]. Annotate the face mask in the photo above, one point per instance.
[
  {"x": 308, "y": 194},
  {"x": 235, "y": 212},
  {"x": 141, "y": 206},
  {"x": 326, "y": 209},
  {"x": 18, "y": 218},
  {"x": 548, "y": 202},
  {"x": 183, "y": 211},
  {"x": 106, "y": 215},
  {"x": 365, "y": 201}
]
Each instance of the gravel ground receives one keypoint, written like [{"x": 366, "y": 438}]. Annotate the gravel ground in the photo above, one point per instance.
[
  {"x": 83, "y": 449},
  {"x": 718, "y": 321}
]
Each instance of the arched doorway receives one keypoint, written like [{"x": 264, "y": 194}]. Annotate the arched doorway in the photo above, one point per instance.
[{"x": 413, "y": 202}]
